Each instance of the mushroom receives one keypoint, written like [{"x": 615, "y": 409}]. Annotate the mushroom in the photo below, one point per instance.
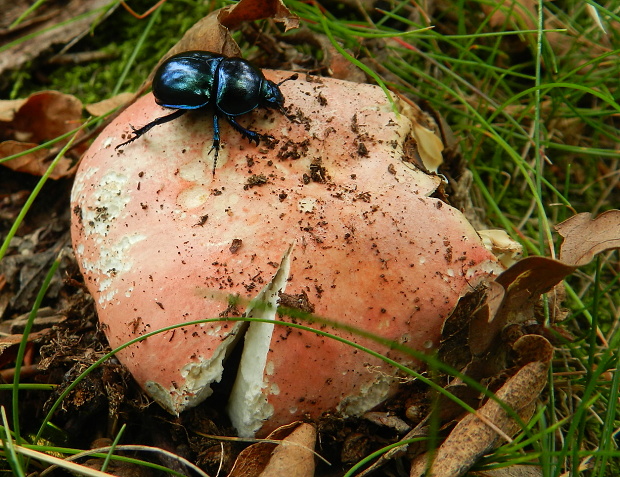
[{"x": 332, "y": 217}]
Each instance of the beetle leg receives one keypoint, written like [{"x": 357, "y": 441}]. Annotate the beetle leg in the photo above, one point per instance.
[
  {"x": 252, "y": 136},
  {"x": 144, "y": 129},
  {"x": 216, "y": 141}
]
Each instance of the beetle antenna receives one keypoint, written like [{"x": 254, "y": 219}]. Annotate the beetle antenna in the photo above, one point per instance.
[{"x": 292, "y": 77}]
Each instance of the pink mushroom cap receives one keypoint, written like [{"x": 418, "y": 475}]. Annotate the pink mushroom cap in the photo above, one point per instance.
[{"x": 331, "y": 217}]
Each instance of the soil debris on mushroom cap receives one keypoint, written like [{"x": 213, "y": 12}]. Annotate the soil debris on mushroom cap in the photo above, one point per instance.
[{"x": 334, "y": 213}]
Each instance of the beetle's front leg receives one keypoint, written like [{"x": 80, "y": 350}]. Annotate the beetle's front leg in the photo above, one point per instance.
[{"x": 252, "y": 136}]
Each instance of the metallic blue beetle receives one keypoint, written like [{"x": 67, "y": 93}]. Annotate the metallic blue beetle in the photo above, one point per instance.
[{"x": 199, "y": 79}]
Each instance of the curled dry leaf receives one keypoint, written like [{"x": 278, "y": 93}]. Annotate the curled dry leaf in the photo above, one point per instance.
[
  {"x": 252, "y": 10},
  {"x": 530, "y": 348},
  {"x": 473, "y": 436},
  {"x": 212, "y": 33},
  {"x": 513, "y": 301},
  {"x": 253, "y": 460},
  {"x": 294, "y": 456},
  {"x": 41, "y": 117},
  {"x": 525, "y": 281},
  {"x": 105, "y": 106}
]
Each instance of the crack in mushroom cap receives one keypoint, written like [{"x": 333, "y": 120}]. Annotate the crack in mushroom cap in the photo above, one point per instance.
[{"x": 333, "y": 213}]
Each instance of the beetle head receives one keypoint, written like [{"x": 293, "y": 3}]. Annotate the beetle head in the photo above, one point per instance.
[{"x": 271, "y": 96}]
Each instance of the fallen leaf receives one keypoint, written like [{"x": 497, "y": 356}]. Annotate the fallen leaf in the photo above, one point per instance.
[
  {"x": 39, "y": 118},
  {"x": 252, "y": 10},
  {"x": 105, "y": 106},
  {"x": 35, "y": 162},
  {"x": 254, "y": 459},
  {"x": 585, "y": 237},
  {"x": 473, "y": 437},
  {"x": 523, "y": 284},
  {"x": 46, "y": 115},
  {"x": 294, "y": 456}
]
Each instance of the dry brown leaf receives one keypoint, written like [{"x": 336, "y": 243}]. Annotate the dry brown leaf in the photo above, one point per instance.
[
  {"x": 584, "y": 237},
  {"x": 46, "y": 115},
  {"x": 252, "y": 10},
  {"x": 105, "y": 106},
  {"x": 523, "y": 284},
  {"x": 39, "y": 118},
  {"x": 294, "y": 457},
  {"x": 35, "y": 163},
  {"x": 472, "y": 438},
  {"x": 253, "y": 459},
  {"x": 212, "y": 32}
]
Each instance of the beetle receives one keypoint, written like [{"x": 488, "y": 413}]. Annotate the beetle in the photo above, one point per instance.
[{"x": 201, "y": 79}]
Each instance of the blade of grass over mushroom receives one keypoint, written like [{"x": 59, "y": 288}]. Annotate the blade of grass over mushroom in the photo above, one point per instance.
[{"x": 430, "y": 360}]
